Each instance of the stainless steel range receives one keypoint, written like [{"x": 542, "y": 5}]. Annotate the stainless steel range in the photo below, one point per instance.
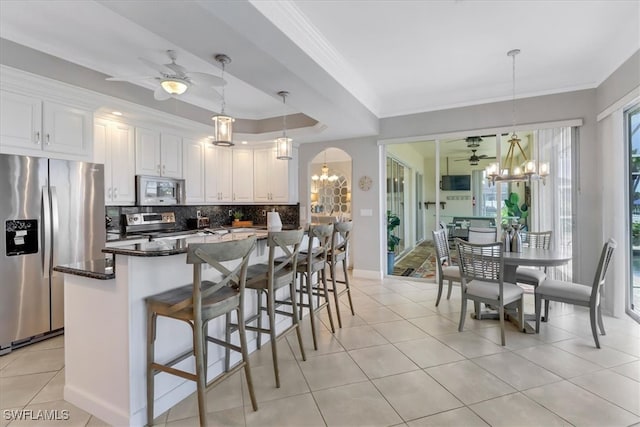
[{"x": 155, "y": 226}]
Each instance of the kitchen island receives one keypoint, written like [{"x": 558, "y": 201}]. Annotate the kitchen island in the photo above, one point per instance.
[{"x": 105, "y": 328}]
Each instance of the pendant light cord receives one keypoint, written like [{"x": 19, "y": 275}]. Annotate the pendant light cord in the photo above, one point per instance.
[{"x": 223, "y": 101}]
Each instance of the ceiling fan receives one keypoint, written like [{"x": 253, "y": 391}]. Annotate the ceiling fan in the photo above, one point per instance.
[
  {"x": 474, "y": 159},
  {"x": 174, "y": 80},
  {"x": 473, "y": 141}
]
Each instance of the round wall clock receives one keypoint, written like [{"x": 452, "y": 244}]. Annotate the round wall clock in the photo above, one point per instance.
[{"x": 365, "y": 183}]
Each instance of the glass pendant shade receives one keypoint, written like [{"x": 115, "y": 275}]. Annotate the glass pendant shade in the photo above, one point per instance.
[
  {"x": 222, "y": 130},
  {"x": 284, "y": 148}
]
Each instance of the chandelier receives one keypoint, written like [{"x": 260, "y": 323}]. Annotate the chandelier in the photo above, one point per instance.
[
  {"x": 528, "y": 170},
  {"x": 222, "y": 124},
  {"x": 283, "y": 144},
  {"x": 324, "y": 170}
]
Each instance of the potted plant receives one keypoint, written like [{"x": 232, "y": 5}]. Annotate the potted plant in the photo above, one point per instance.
[
  {"x": 393, "y": 221},
  {"x": 237, "y": 215},
  {"x": 512, "y": 210}
]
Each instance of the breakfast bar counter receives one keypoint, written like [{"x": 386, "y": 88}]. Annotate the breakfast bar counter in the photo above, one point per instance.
[{"x": 105, "y": 329}]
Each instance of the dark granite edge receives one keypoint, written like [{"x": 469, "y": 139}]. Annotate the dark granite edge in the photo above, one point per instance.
[
  {"x": 87, "y": 270},
  {"x": 144, "y": 253}
]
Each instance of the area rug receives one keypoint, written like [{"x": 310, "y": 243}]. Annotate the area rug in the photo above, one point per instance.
[{"x": 420, "y": 262}]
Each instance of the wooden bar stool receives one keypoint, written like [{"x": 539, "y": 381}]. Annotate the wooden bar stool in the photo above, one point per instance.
[
  {"x": 338, "y": 254},
  {"x": 266, "y": 279},
  {"x": 310, "y": 262},
  {"x": 196, "y": 304}
]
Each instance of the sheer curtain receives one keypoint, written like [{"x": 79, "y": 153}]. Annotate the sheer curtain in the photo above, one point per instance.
[{"x": 551, "y": 201}]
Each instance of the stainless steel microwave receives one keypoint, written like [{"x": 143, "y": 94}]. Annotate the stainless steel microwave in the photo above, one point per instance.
[{"x": 159, "y": 191}]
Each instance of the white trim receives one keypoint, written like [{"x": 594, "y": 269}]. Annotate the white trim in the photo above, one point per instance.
[
  {"x": 294, "y": 23},
  {"x": 367, "y": 274},
  {"x": 485, "y": 131},
  {"x": 625, "y": 101}
]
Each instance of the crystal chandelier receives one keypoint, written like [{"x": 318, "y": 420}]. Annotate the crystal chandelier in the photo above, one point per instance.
[
  {"x": 508, "y": 172},
  {"x": 222, "y": 124},
  {"x": 324, "y": 177},
  {"x": 283, "y": 144}
]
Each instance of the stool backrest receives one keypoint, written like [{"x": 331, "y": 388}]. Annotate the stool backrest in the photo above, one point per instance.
[
  {"x": 214, "y": 254},
  {"x": 320, "y": 236},
  {"x": 601, "y": 271},
  {"x": 287, "y": 242},
  {"x": 341, "y": 236}
]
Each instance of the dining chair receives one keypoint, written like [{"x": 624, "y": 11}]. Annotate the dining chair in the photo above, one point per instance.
[
  {"x": 482, "y": 235},
  {"x": 532, "y": 275},
  {"x": 312, "y": 262},
  {"x": 197, "y": 304},
  {"x": 266, "y": 279},
  {"x": 578, "y": 293},
  {"x": 338, "y": 254},
  {"x": 482, "y": 281},
  {"x": 446, "y": 269}
]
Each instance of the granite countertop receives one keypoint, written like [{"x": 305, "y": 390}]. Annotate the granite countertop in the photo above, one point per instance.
[
  {"x": 179, "y": 246},
  {"x": 101, "y": 269}
]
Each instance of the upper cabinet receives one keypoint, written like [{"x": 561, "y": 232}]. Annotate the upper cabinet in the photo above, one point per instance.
[
  {"x": 193, "y": 166},
  {"x": 242, "y": 175},
  {"x": 218, "y": 174},
  {"x": 32, "y": 125},
  {"x": 271, "y": 177},
  {"x": 158, "y": 154},
  {"x": 116, "y": 141}
]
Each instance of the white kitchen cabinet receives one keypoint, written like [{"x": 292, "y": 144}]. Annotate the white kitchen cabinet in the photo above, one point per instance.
[
  {"x": 242, "y": 175},
  {"x": 158, "y": 155},
  {"x": 117, "y": 141},
  {"x": 271, "y": 177},
  {"x": 35, "y": 126},
  {"x": 218, "y": 174},
  {"x": 193, "y": 166}
]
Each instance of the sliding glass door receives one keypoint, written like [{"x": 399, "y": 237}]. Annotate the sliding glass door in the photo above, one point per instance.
[
  {"x": 633, "y": 137},
  {"x": 396, "y": 179}
]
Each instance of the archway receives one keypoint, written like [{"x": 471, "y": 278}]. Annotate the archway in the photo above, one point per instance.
[{"x": 330, "y": 185}]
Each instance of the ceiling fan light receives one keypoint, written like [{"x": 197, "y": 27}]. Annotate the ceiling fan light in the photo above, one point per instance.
[
  {"x": 174, "y": 86},
  {"x": 222, "y": 130}
]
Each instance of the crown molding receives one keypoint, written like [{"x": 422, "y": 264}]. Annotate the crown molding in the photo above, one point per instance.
[{"x": 289, "y": 19}]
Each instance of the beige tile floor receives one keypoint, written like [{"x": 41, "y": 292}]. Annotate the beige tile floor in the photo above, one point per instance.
[{"x": 399, "y": 362}]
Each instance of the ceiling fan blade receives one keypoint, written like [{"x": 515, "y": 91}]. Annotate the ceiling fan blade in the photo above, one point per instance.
[
  {"x": 127, "y": 78},
  {"x": 205, "y": 92},
  {"x": 161, "y": 68},
  {"x": 484, "y": 156},
  {"x": 160, "y": 94},
  {"x": 178, "y": 69},
  {"x": 207, "y": 79}
]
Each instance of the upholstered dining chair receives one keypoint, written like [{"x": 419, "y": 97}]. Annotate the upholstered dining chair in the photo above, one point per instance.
[
  {"x": 312, "y": 262},
  {"x": 482, "y": 280},
  {"x": 196, "y": 304},
  {"x": 579, "y": 294},
  {"x": 446, "y": 269},
  {"x": 266, "y": 279},
  {"x": 532, "y": 275},
  {"x": 338, "y": 254},
  {"x": 482, "y": 235}
]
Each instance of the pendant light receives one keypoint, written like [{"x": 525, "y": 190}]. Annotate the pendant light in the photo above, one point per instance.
[
  {"x": 222, "y": 124},
  {"x": 527, "y": 171},
  {"x": 284, "y": 147}
]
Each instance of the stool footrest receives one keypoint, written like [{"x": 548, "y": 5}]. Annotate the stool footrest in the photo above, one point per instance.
[{"x": 174, "y": 371}]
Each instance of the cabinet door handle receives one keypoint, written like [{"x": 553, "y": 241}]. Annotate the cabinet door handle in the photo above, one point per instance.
[
  {"x": 164, "y": 168},
  {"x": 115, "y": 193},
  {"x": 158, "y": 168},
  {"x": 234, "y": 196},
  {"x": 109, "y": 193},
  {"x": 37, "y": 137},
  {"x": 48, "y": 139}
]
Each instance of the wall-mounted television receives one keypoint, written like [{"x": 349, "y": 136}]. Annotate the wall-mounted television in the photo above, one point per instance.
[{"x": 455, "y": 183}]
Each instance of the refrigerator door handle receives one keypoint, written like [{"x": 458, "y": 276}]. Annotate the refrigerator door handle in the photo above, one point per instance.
[
  {"x": 55, "y": 222},
  {"x": 46, "y": 232}
]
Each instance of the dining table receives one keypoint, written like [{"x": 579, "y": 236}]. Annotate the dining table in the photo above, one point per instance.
[{"x": 528, "y": 257}]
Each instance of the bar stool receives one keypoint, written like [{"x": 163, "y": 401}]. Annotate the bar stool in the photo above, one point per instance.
[
  {"x": 196, "y": 304},
  {"x": 338, "y": 254},
  {"x": 266, "y": 279},
  {"x": 310, "y": 262}
]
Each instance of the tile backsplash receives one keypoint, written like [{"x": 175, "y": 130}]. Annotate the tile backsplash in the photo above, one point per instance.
[{"x": 218, "y": 214}]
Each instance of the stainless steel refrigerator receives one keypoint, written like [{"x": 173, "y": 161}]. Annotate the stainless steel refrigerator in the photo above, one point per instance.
[{"x": 51, "y": 212}]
